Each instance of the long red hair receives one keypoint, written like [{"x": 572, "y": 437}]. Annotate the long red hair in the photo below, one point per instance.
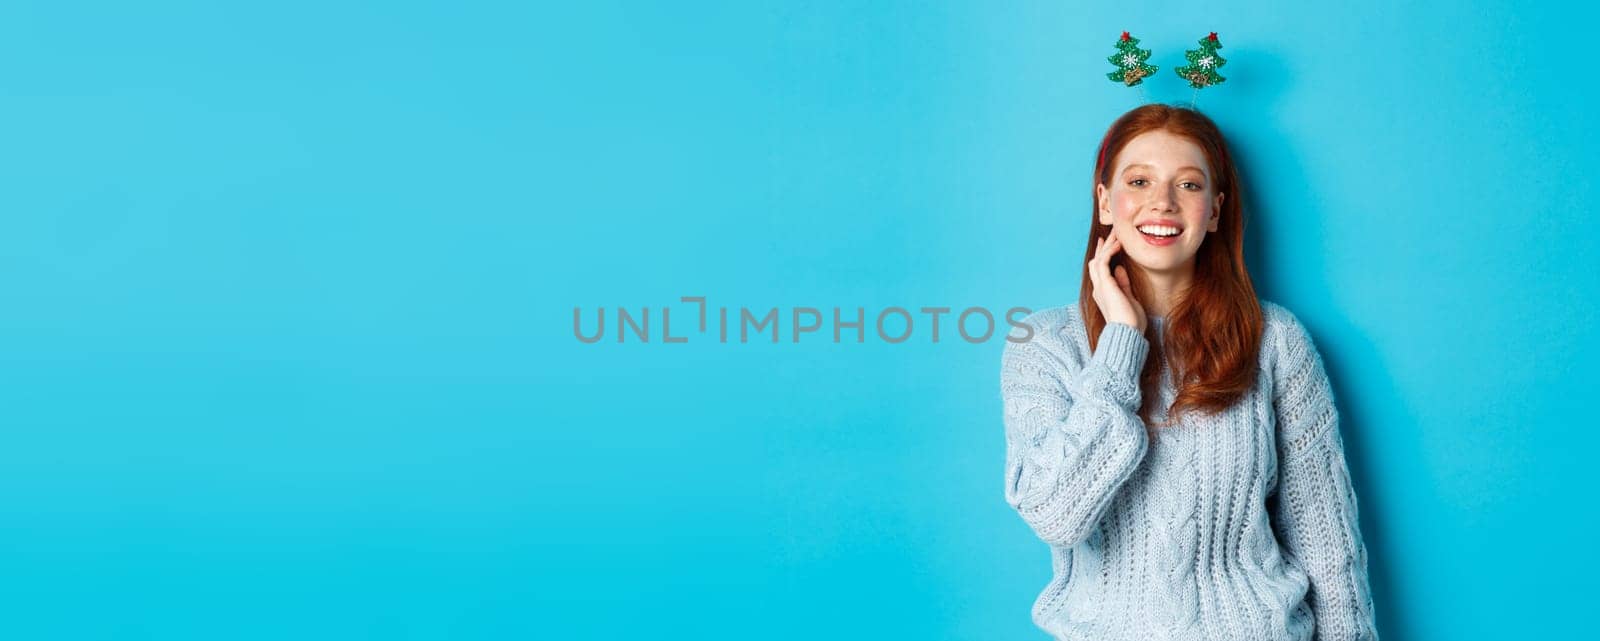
[{"x": 1213, "y": 331}]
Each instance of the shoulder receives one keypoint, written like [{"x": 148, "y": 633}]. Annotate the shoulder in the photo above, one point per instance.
[
  {"x": 1284, "y": 335},
  {"x": 1278, "y": 318},
  {"x": 1290, "y": 354},
  {"x": 1056, "y": 327},
  {"x": 1053, "y": 334}
]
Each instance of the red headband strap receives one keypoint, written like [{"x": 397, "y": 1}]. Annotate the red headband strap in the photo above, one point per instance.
[{"x": 1100, "y": 161}]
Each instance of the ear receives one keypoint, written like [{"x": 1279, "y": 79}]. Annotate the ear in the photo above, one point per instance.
[
  {"x": 1102, "y": 204},
  {"x": 1216, "y": 213}
]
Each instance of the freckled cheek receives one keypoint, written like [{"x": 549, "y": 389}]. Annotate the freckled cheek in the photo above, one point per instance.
[
  {"x": 1125, "y": 204},
  {"x": 1198, "y": 207}
]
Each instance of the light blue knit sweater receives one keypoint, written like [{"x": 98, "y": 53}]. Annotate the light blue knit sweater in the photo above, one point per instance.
[{"x": 1233, "y": 527}]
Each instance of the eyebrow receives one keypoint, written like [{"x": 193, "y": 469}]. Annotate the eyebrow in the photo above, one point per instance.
[{"x": 1125, "y": 169}]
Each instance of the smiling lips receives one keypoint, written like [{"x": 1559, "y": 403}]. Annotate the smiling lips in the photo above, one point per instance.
[{"x": 1161, "y": 237}]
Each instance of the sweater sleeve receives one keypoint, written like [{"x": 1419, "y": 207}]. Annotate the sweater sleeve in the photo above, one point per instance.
[
  {"x": 1072, "y": 437},
  {"x": 1316, "y": 515}
]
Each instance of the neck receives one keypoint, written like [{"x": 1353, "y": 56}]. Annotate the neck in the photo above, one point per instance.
[{"x": 1165, "y": 288}]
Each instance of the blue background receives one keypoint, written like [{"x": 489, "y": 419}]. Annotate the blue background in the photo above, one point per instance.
[{"x": 288, "y": 346}]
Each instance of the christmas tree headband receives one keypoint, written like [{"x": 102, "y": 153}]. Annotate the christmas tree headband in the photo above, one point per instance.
[{"x": 1201, "y": 72}]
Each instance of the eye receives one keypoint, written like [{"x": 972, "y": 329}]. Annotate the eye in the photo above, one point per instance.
[
  {"x": 1138, "y": 182},
  {"x": 1192, "y": 186}
]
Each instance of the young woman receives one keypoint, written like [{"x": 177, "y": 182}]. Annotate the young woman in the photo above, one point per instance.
[{"x": 1172, "y": 437}]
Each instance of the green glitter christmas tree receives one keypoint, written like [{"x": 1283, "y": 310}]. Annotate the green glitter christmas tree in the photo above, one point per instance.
[
  {"x": 1201, "y": 71},
  {"x": 1130, "y": 62}
]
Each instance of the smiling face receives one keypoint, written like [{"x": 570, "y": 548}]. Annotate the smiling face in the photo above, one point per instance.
[{"x": 1160, "y": 183}]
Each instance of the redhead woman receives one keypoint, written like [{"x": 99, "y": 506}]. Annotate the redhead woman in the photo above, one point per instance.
[{"x": 1172, "y": 437}]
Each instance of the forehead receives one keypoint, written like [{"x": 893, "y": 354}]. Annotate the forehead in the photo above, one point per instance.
[{"x": 1162, "y": 151}]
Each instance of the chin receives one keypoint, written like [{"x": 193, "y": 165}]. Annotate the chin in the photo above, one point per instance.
[{"x": 1162, "y": 264}]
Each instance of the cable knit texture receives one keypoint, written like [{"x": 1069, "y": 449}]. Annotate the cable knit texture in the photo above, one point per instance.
[{"x": 1235, "y": 527}]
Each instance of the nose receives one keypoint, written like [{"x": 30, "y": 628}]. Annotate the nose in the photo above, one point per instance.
[{"x": 1161, "y": 200}]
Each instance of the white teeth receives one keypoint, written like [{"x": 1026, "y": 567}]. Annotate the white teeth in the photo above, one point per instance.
[{"x": 1159, "y": 230}]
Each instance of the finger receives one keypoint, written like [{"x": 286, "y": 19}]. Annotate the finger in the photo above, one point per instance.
[
  {"x": 1102, "y": 271},
  {"x": 1110, "y": 253},
  {"x": 1093, "y": 267}
]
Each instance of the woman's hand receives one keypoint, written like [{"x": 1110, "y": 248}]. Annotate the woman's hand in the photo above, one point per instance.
[{"x": 1113, "y": 294}]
